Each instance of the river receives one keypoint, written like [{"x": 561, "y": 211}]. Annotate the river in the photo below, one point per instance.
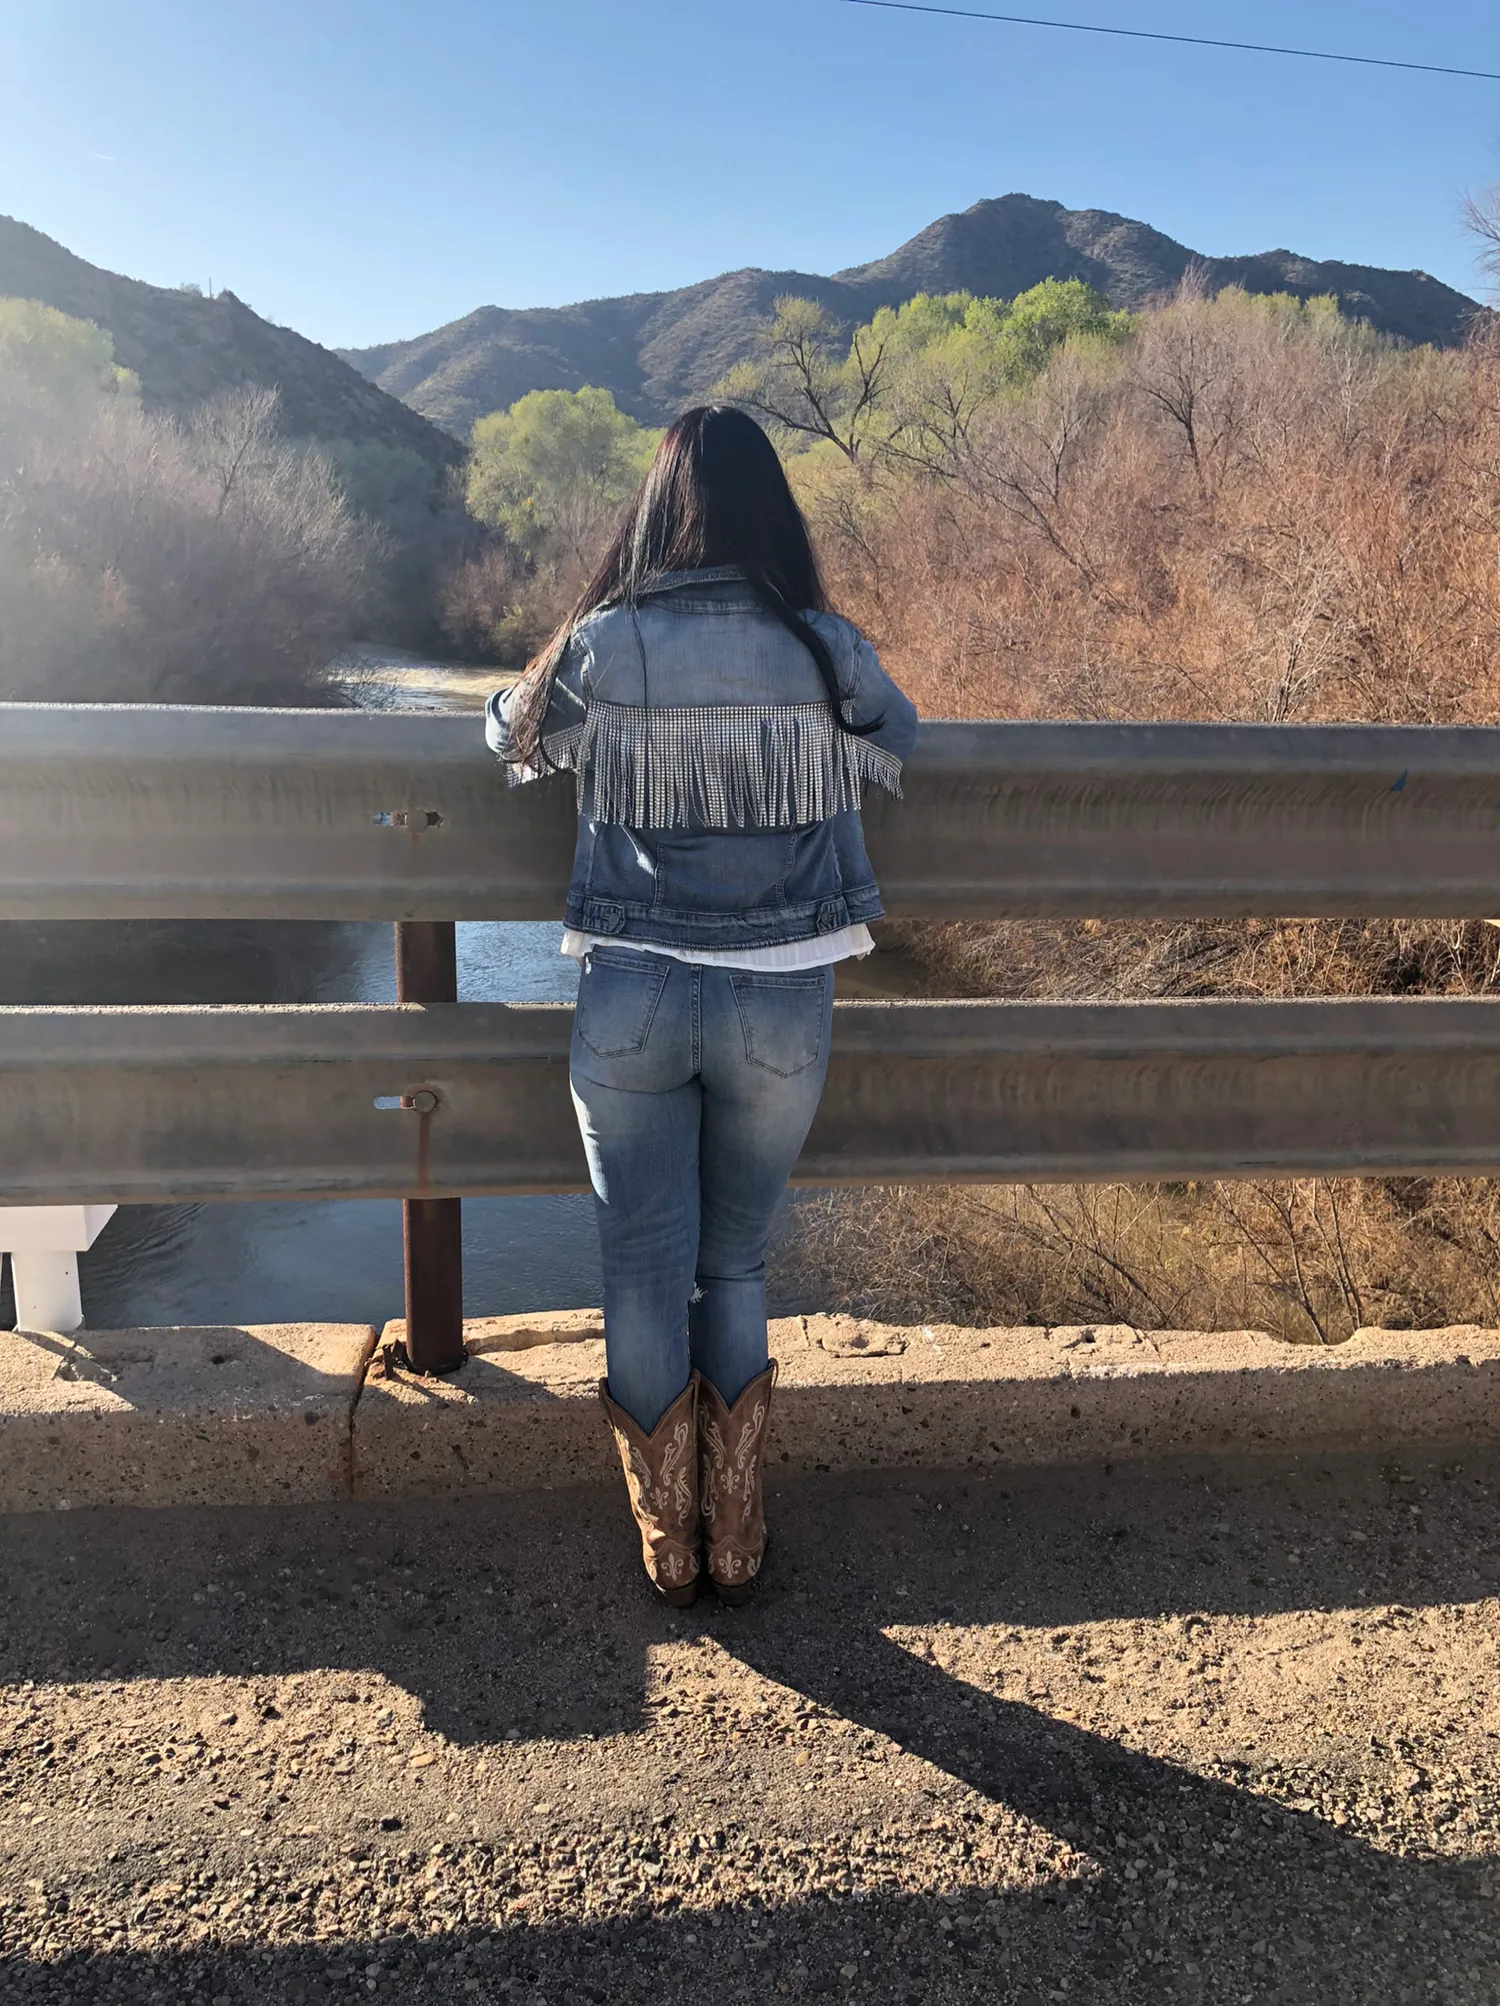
[{"x": 341, "y": 1260}]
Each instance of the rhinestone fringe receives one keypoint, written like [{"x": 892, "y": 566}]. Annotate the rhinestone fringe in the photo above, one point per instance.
[{"x": 720, "y": 766}]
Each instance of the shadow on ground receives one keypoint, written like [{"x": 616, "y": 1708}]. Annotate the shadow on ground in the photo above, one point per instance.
[{"x": 522, "y": 1616}]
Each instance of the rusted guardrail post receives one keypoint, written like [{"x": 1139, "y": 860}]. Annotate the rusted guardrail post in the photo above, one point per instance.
[{"x": 431, "y": 1228}]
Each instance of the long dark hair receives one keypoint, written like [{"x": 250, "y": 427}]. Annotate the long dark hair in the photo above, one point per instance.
[{"x": 714, "y": 494}]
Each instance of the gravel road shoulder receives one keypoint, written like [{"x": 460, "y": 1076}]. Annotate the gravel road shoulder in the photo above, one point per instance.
[{"x": 1202, "y": 1732}]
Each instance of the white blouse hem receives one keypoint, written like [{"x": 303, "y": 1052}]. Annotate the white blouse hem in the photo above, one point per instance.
[{"x": 849, "y": 943}]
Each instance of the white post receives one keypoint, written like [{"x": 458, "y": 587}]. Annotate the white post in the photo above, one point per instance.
[
  {"x": 44, "y": 1242},
  {"x": 47, "y": 1294}
]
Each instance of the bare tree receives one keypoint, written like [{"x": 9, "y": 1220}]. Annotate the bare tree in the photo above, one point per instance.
[
  {"x": 1188, "y": 368},
  {"x": 1482, "y": 215},
  {"x": 806, "y": 381},
  {"x": 234, "y": 436},
  {"x": 145, "y": 561},
  {"x": 1023, "y": 460}
]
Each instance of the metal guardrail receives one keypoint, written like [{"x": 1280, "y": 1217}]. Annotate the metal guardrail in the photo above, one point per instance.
[
  {"x": 139, "y": 812},
  {"x": 151, "y": 1105}
]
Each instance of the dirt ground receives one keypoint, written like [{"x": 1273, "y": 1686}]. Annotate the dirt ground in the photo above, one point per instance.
[{"x": 1221, "y": 1732}]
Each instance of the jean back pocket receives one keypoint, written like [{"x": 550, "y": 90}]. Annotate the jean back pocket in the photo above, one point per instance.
[
  {"x": 783, "y": 1017},
  {"x": 617, "y": 998}
]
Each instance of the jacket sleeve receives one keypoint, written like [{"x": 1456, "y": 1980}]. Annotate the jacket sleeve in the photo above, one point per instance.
[
  {"x": 874, "y": 695},
  {"x": 561, "y": 728}
]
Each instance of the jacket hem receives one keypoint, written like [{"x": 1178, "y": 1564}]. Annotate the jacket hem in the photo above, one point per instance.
[{"x": 620, "y": 919}]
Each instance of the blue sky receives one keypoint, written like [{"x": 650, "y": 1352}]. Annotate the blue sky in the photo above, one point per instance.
[{"x": 367, "y": 171}]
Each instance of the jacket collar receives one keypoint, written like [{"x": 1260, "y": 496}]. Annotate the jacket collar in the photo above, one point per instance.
[{"x": 711, "y": 574}]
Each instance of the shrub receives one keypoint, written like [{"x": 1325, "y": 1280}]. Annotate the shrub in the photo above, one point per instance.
[
  {"x": 1308, "y": 1259},
  {"x": 499, "y": 605},
  {"x": 54, "y": 370},
  {"x": 146, "y": 561}
]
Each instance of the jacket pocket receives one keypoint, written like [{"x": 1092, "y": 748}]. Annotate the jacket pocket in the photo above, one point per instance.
[
  {"x": 617, "y": 998},
  {"x": 783, "y": 1017},
  {"x": 715, "y": 871}
]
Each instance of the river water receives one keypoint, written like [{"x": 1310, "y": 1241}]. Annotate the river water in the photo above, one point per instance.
[{"x": 341, "y": 1260}]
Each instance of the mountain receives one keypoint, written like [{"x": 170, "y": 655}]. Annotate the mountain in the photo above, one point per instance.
[
  {"x": 659, "y": 351},
  {"x": 185, "y": 348}
]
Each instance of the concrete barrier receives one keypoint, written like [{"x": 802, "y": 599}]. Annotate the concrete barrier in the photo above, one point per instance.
[
  {"x": 856, "y": 1395},
  {"x": 253, "y": 1414},
  {"x": 280, "y": 1414}
]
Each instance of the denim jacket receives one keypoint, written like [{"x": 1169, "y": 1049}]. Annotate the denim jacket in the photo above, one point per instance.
[{"x": 718, "y": 800}]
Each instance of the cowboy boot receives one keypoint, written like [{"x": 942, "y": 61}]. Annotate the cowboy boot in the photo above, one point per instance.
[
  {"x": 731, "y": 1457},
  {"x": 661, "y": 1474}
]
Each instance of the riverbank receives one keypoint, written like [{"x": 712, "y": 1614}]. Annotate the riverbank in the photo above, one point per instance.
[{"x": 381, "y": 678}]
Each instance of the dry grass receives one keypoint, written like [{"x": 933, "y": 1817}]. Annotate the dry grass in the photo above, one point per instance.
[
  {"x": 1309, "y": 1259},
  {"x": 1076, "y": 960}
]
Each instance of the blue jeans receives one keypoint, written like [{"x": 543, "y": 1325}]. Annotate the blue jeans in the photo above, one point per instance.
[{"x": 695, "y": 1088}]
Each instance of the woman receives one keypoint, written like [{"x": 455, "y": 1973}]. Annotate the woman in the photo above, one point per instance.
[{"x": 720, "y": 723}]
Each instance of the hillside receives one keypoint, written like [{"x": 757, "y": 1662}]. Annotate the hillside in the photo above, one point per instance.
[
  {"x": 185, "y": 348},
  {"x": 658, "y": 351}
]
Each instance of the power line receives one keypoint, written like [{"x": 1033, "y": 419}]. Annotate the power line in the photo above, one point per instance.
[{"x": 1156, "y": 35}]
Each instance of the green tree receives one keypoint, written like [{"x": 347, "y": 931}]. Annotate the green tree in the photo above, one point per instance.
[
  {"x": 955, "y": 357},
  {"x": 943, "y": 370},
  {"x": 907, "y": 386},
  {"x": 1039, "y": 322},
  {"x": 55, "y": 365},
  {"x": 555, "y": 469}
]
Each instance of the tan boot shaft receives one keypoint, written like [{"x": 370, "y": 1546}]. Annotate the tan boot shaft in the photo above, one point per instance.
[
  {"x": 661, "y": 1475},
  {"x": 731, "y": 1463}
]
